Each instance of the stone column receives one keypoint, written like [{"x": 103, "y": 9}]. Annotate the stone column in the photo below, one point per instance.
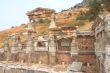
[
  {"x": 15, "y": 48},
  {"x": 22, "y": 56},
  {"x": 107, "y": 47},
  {"x": 52, "y": 51},
  {"x": 107, "y": 59},
  {"x": 14, "y": 52},
  {"x": 7, "y": 51},
  {"x": 21, "y": 51},
  {"x": 30, "y": 52},
  {"x": 36, "y": 52},
  {"x": 74, "y": 47}
]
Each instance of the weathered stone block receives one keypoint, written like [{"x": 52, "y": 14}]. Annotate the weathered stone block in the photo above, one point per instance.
[
  {"x": 63, "y": 57},
  {"x": 52, "y": 59}
]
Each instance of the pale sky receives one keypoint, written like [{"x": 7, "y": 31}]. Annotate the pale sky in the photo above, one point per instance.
[{"x": 13, "y": 12}]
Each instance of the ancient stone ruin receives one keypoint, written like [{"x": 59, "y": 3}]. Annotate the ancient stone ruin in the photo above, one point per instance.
[
  {"x": 62, "y": 46},
  {"x": 63, "y": 49}
]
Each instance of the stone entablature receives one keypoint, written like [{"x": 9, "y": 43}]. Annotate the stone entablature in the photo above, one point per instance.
[
  {"x": 86, "y": 32},
  {"x": 40, "y": 13}
]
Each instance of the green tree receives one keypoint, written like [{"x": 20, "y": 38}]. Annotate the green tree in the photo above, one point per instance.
[
  {"x": 106, "y": 4},
  {"x": 95, "y": 7}
]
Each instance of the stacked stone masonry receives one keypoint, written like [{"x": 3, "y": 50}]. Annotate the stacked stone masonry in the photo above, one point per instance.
[{"x": 63, "y": 46}]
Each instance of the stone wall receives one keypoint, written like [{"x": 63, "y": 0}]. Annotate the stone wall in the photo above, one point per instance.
[
  {"x": 42, "y": 57},
  {"x": 86, "y": 53},
  {"x": 63, "y": 58}
]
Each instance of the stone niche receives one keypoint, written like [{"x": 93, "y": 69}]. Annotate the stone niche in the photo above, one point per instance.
[
  {"x": 22, "y": 56},
  {"x": 42, "y": 57}
]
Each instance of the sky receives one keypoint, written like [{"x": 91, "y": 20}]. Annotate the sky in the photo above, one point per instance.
[{"x": 13, "y": 12}]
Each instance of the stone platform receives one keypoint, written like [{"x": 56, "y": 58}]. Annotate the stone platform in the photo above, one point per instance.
[{"x": 20, "y": 68}]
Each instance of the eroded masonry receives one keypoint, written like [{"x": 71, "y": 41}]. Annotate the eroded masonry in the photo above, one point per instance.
[{"x": 80, "y": 51}]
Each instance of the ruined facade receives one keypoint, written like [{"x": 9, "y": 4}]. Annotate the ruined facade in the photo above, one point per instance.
[
  {"x": 86, "y": 55},
  {"x": 50, "y": 49},
  {"x": 101, "y": 29},
  {"x": 63, "y": 46}
]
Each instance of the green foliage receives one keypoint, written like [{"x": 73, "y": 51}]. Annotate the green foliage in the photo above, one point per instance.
[
  {"x": 87, "y": 16},
  {"x": 95, "y": 7},
  {"x": 107, "y": 4},
  {"x": 79, "y": 22},
  {"x": 95, "y": 4},
  {"x": 46, "y": 20},
  {"x": 76, "y": 23},
  {"x": 40, "y": 20},
  {"x": 82, "y": 17},
  {"x": 44, "y": 33}
]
